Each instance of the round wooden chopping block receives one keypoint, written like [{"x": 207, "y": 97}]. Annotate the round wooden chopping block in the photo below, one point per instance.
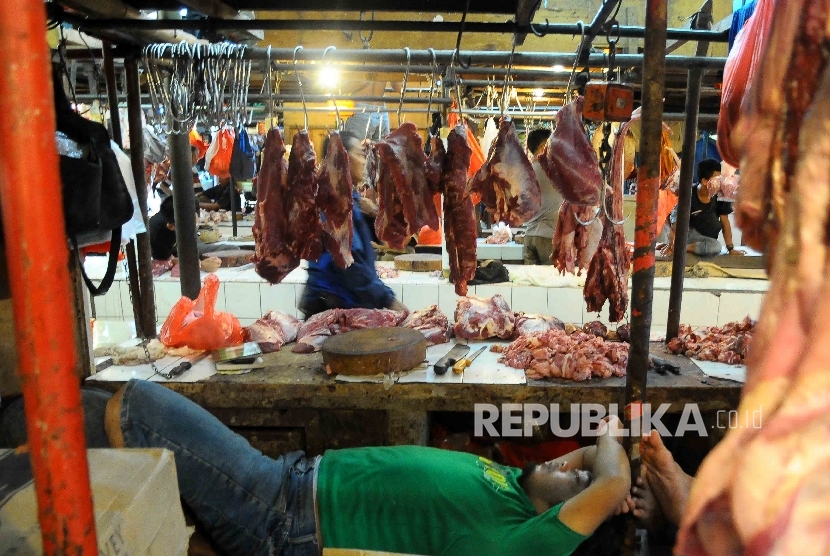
[
  {"x": 374, "y": 351},
  {"x": 418, "y": 262},
  {"x": 232, "y": 257}
]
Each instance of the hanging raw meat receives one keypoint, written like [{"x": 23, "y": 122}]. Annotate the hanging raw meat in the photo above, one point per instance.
[
  {"x": 574, "y": 245},
  {"x": 435, "y": 164},
  {"x": 607, "y": 278},
  {"x": 569, "y": 159},
  {"x": 405, "y": 200},
  {"x": 460, "y": 229},
  {"x": 764, "y": 490},
  {"x": 334, "y": 197},
  {"x": 741, "y": 66},
  {"x": 303, "y": 216},
  {"x": 507, "y": 183},
  {"x": 273, "y": 256}
]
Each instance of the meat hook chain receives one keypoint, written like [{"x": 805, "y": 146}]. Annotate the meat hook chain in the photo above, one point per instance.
[
  {"x": 405, "y": 79},
  {"x": 366, "y": 40},
  {"x": 339, "y": 121},
  {"x": 505, "y": 95},
  {"x": 431, "y": 88},
  {"x": 300, "y": 83}
]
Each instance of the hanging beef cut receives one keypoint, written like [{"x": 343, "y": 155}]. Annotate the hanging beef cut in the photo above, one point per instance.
[
  {"x": 435, "y": 164},
  {"x": 506, "y": 182},
  {"x": 303, "y": 217},
  {"x": 273, "y": 256},
  {"x": 460, "y": 230},
  {"x": 569, "y": 159},
  {"x": 574, "y": 245},
  {"x": 334, "y": 197},
  {"x": 608, "y": 272},
  {"x": 404, "y": 198}
]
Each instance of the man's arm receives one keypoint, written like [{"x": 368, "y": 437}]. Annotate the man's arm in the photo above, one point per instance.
[
  {"x": 727, "y": 232},
  {"x": 585, "y": 512}
]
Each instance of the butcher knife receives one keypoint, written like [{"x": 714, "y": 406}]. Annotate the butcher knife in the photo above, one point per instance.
[
  {"x": 457, "y": 352},
  {"x": 459, "y": 366}
]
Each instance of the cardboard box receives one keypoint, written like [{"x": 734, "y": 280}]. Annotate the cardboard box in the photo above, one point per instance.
[{"x": 135, "y": 497}]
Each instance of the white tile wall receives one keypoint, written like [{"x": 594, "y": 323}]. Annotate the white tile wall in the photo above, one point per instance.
[
  {"x": 530, "y": 299},
  {"x": 242, "y": 299},
  {"x": 736, "y": 306},
  {"x": 167, "y": 294},
  {"x": 660, "y": 308},
  {"x": 447, "y": 300},
  {"x": 221, "y": 301},
  {"x": 280, "y": 297},
  {"x": 505, "y": 291},
  {"x": 397, "y": 289},
  {"x": 109, "y": 305},
  {"x": 566, "y": 304},
  {"x": 699, "y": 309},
  {"x": 417, "y": 297}
]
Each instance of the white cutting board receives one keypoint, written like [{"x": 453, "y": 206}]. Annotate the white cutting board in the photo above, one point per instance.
[{"x": 722, "y": 370}]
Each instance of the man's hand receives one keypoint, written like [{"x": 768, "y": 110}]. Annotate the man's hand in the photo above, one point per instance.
[
  {"x": 736, "y": 253},
  {"x": 611, "y": 426},
  {"x": 667, "y": 250},
  {"x": 626, "y": 506}
]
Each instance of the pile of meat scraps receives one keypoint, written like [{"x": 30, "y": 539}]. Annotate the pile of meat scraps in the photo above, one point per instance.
[
  {"x": 555, "y": 354},
  {"x": 316, "y": 329},
  {"x": 386, "y": 272},
  {"x": 507, "y": 183},
  {"x": 272, "y": 331},
  {"x": 432, "y": 323},
  {"x": 528, "y": 324},
  {"x": 478, "y": 318},
  {"x": 723, "y": 344},
  {"x": 764, "y": 490}
]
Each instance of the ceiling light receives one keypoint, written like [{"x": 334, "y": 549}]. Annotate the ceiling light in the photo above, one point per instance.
[
  {"x": 183, "y": 12},
  {"x": 538, "y": 93},
  {"x": 558, "y": 67},
  {"x": 329, "y": 77},
  {"x": 438, "y": 18}
]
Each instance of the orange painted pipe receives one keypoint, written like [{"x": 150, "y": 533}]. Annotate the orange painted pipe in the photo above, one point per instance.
[{"x": 38, "y": 260}]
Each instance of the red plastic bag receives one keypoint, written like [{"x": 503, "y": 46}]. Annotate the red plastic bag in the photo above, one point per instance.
[
  {"x": 197, "y": 325},
  {"x": 218, "y": 156},
  {"x": 739, "y": 75}
]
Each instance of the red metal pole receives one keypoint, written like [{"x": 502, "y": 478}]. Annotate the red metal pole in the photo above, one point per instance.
[{"x": 38, "y": 272}]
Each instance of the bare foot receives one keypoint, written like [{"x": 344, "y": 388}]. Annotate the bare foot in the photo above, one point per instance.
[
  {"x": 646, "y": 510},
  {"x": 666, "y": 480}
]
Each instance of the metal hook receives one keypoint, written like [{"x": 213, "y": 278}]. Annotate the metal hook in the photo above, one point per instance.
[
  {"x": 431, "y": 88},
  {"x": 504, "y": 94},
  {"x": 405, "y": 79},
  {"x": 270, "y": 93},
  {"x": 300, "y": 83},
  {"x": 589, "y": 222},
  {"x": 338, "y": 123},
  {"x": 456, "y": 55},
  {"x": 539, "y": 33}
]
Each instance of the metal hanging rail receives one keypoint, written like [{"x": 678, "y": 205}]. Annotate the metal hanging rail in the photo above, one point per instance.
[
  {"x": 209, "y": 25},
  {"x": 444, "y": 57}
]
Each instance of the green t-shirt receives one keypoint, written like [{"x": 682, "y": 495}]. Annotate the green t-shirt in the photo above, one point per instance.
[{"x": 418, "y": 500}]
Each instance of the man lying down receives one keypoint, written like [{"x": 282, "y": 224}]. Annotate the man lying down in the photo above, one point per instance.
[{"x": 402, "y": 499}]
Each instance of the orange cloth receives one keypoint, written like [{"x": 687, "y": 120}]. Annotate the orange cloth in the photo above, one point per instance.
[
  {"x": 428, "y": 236},
  {"x": 666, "y": 202},
  {"x": 102, "y": 249},
  {"x": 197, "y": 141}
]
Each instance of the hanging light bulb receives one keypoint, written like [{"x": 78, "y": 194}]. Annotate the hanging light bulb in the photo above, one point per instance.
[
  {"x": 329, "y": 77},
  {"x": 538, "y": 93},
  {"x": 183, "y": 12},
  {"x": 558, "y": 67}
]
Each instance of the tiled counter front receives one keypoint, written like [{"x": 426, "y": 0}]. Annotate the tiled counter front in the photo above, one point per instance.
[{"x": 706, "y": 301}]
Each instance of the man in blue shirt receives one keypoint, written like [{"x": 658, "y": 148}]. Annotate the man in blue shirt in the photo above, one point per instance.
[{"x": 332, "y": 287}]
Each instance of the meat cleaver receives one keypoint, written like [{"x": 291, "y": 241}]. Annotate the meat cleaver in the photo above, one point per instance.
[{"x": 457, "y": 352}]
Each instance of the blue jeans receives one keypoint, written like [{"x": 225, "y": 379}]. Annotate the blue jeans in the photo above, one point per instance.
[
  {"x": 248, "y": 503},
  {"x": 704, "y": 246}
]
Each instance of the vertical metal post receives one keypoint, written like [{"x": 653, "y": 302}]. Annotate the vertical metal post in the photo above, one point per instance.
[
  {"x": 145, "y": 265},
  {"x": 184, "y": 205},
  {"x": 234, "y": 199},
  {"x": 684, "y": 203},
  {"x": 38, "y": 263},
  {"x": 117, "y": 136},
  {"x": 648, "y": 182}
]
